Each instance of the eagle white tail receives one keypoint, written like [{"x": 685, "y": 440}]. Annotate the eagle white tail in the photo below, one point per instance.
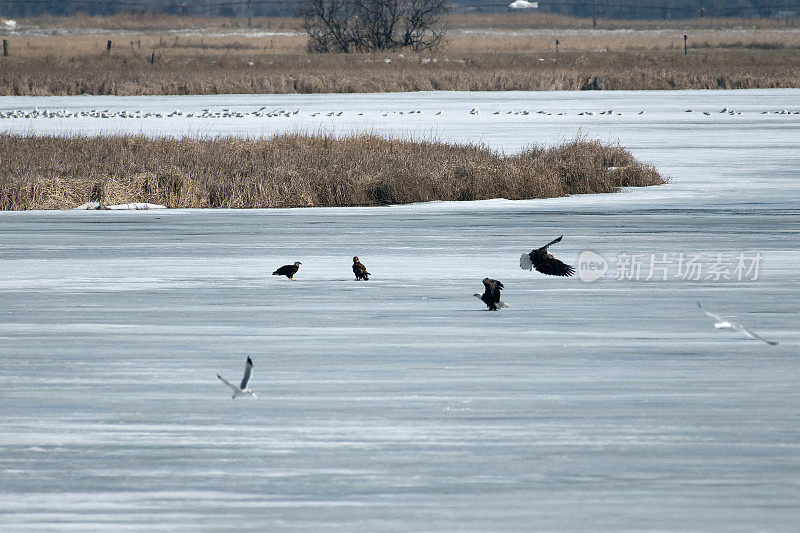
[{"x": 525, "y": 262}]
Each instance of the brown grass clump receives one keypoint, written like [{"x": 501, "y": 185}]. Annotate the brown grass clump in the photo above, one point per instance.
[{"x": 295, "y": 170}]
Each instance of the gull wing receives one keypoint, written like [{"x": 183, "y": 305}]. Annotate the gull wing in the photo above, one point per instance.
[
  {"x": 755, "y": 336},
  {"x": 229, "y": 384},
  {"x": 712, "y": 315},
  {"x": 248, "y": 372}
]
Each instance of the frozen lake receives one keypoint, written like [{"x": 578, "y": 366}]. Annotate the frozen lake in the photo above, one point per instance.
[{"x": 399, "y": 403}]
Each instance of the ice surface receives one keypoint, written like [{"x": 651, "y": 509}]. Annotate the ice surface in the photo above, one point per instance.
[{"x": 399, "y": 403}]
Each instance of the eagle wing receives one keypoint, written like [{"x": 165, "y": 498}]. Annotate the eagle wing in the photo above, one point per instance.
[
  {"x": 545, "y": 263},
  {"x": 493, "y": 288}
]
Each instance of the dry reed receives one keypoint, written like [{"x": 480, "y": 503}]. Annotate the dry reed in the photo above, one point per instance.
[
  {"x": 296, "y": 170},
  {"x": 131, "y": 74}
]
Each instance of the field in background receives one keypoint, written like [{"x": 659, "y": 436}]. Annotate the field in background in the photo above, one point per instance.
[
  {"x": 510, "y": 20},
  {"x": 163, "y": 55}
]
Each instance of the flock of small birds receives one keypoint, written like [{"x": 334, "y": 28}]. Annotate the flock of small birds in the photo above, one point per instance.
[
  {"x": 725, "y": 110},
  {"x": 107, "y": 113},
  {"x": 539, "y": 259},
  {"x": 265, "y": 112}
]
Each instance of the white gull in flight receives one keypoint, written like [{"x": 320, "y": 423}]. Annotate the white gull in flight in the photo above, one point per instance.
[
  {"x": 729, "y": 325},
  {"x": 523, "y": 4},
  {"x": 241, "y": 389}
]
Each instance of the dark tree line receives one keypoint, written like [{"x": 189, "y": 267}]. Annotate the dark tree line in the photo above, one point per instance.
[
  {"x": 619, "y": 9},
  {"x": 365, "y": 25},
  {"x": 196, "y": 8}
]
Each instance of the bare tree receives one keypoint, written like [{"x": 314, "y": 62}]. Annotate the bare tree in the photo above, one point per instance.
[{"x": 366, "y": 25}]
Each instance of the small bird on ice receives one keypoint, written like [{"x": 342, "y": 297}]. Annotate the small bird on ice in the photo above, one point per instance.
[
  {"x": 242, "y": 389},
  {"x": 729, "y": 325}
]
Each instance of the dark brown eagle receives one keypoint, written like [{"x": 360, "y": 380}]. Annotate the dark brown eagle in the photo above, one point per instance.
[
  {"x": 544, "y": 262},
  {"x": 288, "y": 270},
  {"x": 491, "y": 294},
  {"x": 360, "y": 270}
]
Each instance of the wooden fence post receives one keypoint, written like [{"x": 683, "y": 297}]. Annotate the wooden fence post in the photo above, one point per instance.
[
  {"x": 5, "y": 48},
  {"x": 684, "y": 44},
  {"x": 153, "y": 58}
]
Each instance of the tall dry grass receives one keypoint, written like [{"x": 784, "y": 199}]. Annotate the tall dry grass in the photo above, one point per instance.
[
  {"x": 248, "y": 44},
  {"x": 132, "y": 74},
  {"x": 298, "y": 171}
]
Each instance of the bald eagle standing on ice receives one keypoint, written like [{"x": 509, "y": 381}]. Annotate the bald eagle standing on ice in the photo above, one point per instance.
[
  {"x": 360, "y": 270},
  {"x": 288, "y": 270},
  {"x": 544, "y": 262},
  {"x": 491, "y": 294}
]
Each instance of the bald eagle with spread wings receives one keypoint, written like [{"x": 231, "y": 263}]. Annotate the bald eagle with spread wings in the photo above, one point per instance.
[
  {"x": 544, "y": 262},
  {"x": 491, "y": 294}
]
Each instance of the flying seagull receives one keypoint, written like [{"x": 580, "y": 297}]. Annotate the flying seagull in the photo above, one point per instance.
[
  {"x": 523, "y": 4},
  {"x": 491, "y": 294},
  {"x": 242, "y": 389},
  {"x": 544, "y": 262},
  {"x": 360, "y": 270},
  {"x": 288, "y": 270},
  {"x": 729, "y": 325}
]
